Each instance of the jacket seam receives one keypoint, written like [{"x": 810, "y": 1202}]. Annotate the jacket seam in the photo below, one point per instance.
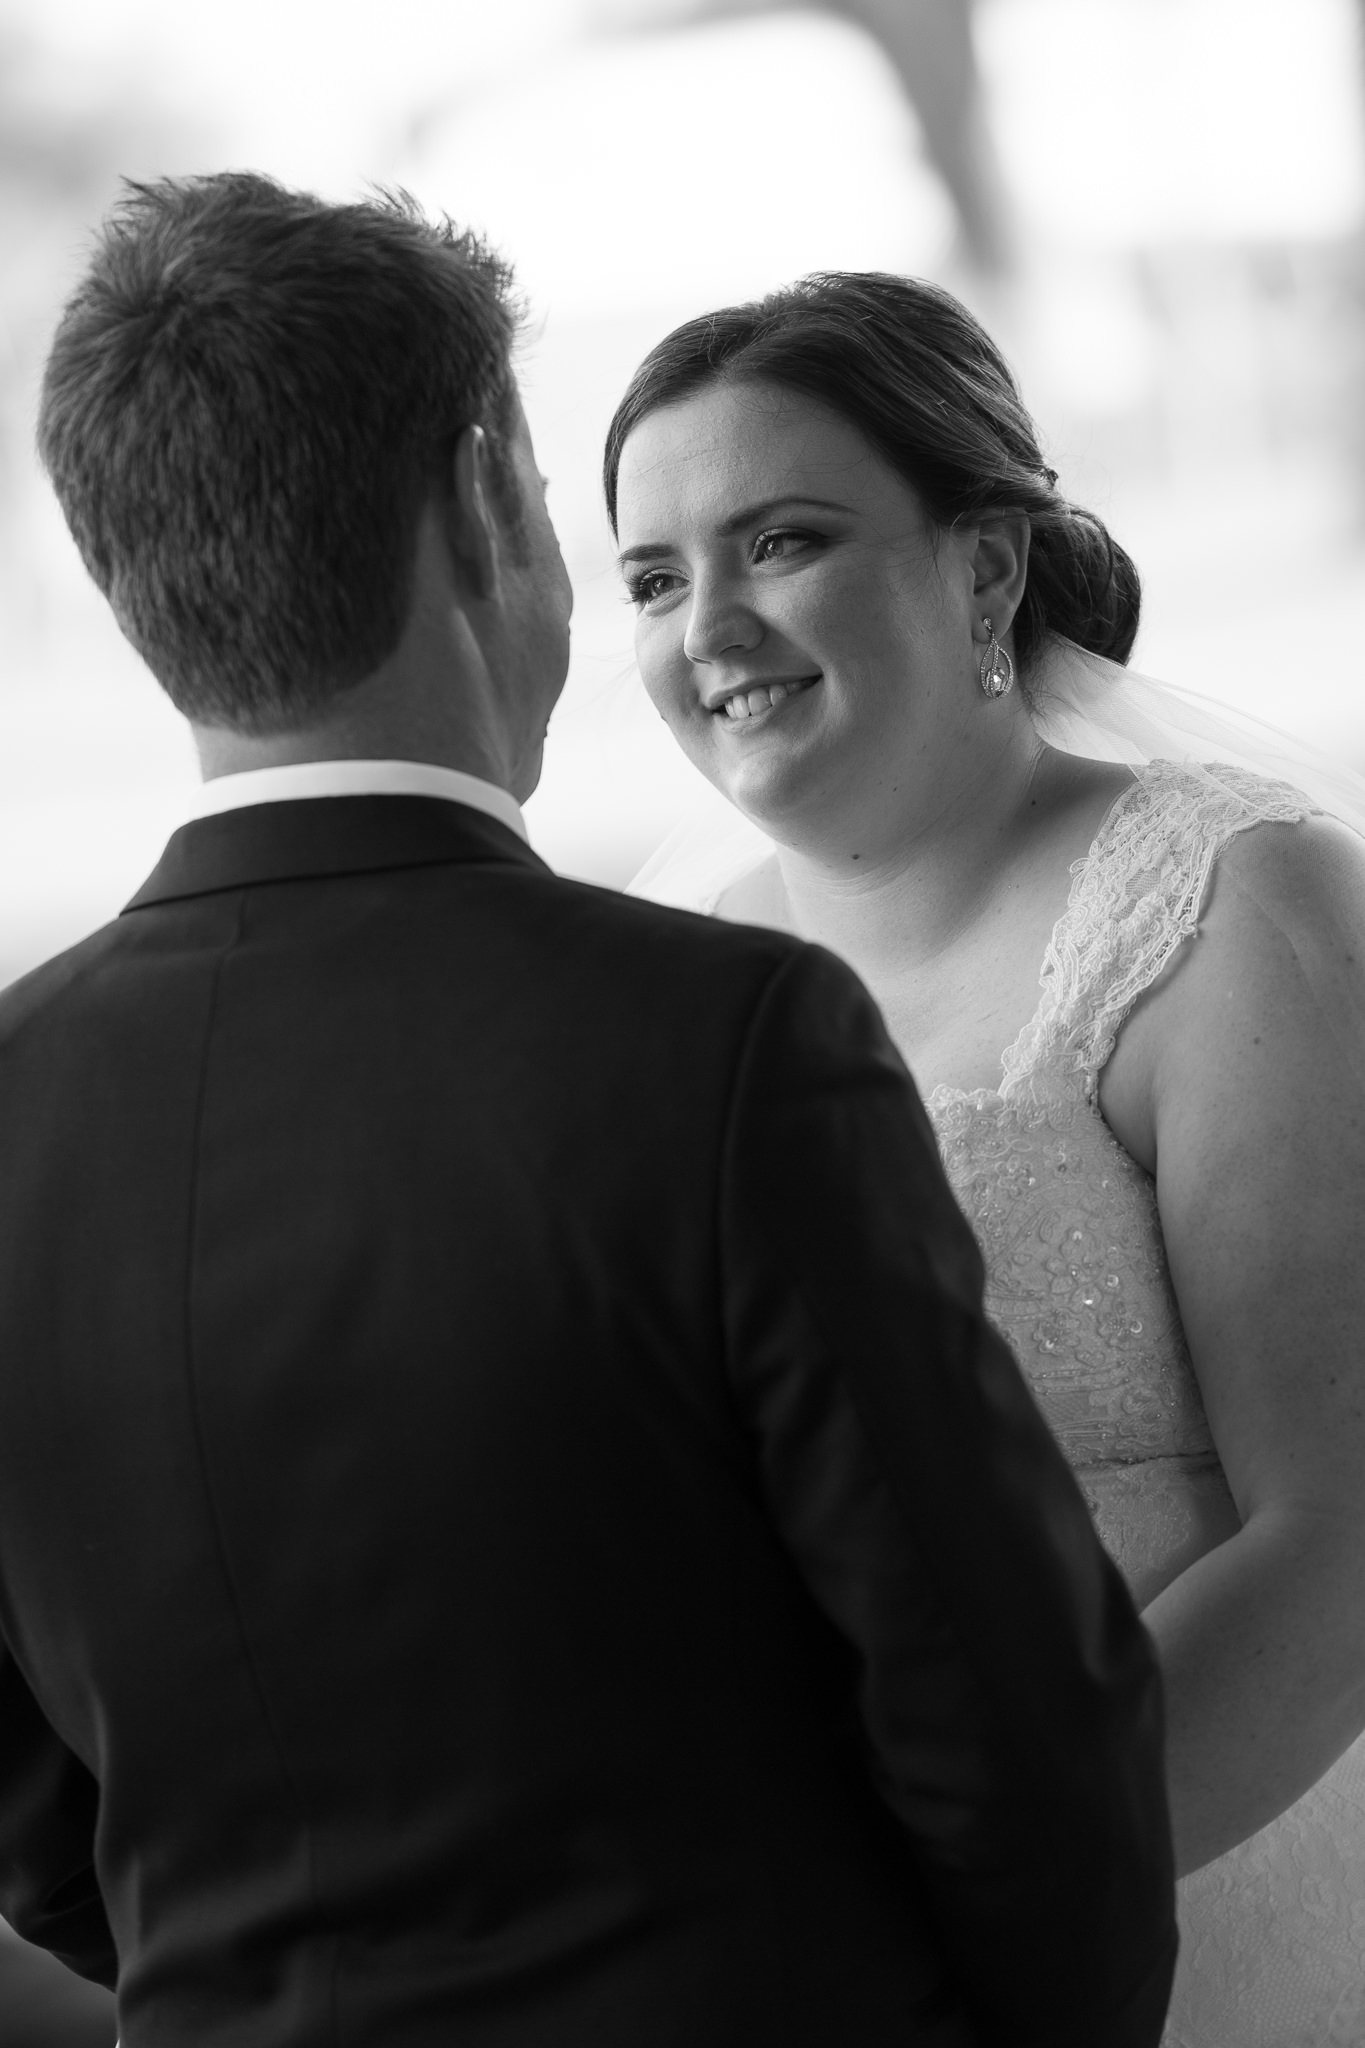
[
  {"x": 725, "y": 1151},
  {"x": 255, "y": 1675}
]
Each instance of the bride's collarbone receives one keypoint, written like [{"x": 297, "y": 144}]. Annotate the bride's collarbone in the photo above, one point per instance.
[
  {"x": 960, "y": 1044},
  {"x": 952, "y": 1021},
  {"x": 958, "y": 1001}
]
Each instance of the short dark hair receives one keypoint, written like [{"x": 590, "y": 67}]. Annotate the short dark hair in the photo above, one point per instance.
[
  {"x": 926, "y": 386},
  {"x": 250, "y": 397}
]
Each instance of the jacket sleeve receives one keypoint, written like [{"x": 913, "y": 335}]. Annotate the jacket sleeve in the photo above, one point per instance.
[
  {"x": 48, "y": 1811},
  {"x": 1008, "y": 1692}
]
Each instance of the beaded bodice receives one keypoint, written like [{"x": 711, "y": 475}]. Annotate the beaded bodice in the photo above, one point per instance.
[
  {"x": 1076, "y": 1270},
  {"x": 1272, "y": 1934}
]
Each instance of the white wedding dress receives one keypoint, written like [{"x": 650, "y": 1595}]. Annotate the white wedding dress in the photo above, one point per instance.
[{"x": 1273, "y": 1934}]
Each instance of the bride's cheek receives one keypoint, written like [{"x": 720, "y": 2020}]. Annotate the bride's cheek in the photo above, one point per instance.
[
  {"x": 651, "y": 668},
  {"x": 666, "y": 687}
]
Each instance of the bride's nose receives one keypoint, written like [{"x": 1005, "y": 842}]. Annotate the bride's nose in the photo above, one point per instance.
[{"x": 719, "y": 623}]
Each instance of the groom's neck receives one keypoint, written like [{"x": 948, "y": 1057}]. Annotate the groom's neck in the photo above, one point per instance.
[
  {"x": 466, "y": 686},
  {"x": 232, "y": 753},
  {"x": 384, "y": 718}
]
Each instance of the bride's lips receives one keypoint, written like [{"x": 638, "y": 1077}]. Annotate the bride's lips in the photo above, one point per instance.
[{"x": 759, "y": 699}]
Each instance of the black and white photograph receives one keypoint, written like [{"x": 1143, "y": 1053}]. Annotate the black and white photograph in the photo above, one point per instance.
[{"x": 682, "y": 1024}]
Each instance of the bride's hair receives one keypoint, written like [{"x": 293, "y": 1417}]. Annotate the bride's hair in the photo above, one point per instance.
[{"x": 923, "y": 382}]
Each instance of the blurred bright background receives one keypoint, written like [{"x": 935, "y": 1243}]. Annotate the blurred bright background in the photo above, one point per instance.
[{"x": 1157, "y": 205}]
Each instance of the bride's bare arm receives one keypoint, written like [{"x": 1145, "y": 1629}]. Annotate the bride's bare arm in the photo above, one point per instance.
[{"x": 1240, "y": 1080}]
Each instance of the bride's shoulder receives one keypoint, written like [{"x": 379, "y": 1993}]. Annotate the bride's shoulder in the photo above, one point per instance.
[
  {"x": 1267, "y": 996},
  {"x": 1212, "y": 798},
  {"x": 1206, "y": 821},
  {"x": 1280, "y": 950},
  {"x": 1299, "y": 878}
]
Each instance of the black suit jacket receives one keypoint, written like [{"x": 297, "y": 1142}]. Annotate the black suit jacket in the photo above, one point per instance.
[{"x": 514, "y": 1532}]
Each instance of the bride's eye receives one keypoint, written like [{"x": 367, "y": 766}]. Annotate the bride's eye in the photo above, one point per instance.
[
  {"x": 782, "y": 542},
  {"x": 649, "y": 585}
]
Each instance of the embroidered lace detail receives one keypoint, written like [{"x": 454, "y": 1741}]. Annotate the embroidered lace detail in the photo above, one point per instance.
[
  {"x": 1273, "y": 1935},
  {"x": 1076, "y": 1276},
  {"x": 1135, "y": 899},
  {"x": 1067, "y": 1220}
]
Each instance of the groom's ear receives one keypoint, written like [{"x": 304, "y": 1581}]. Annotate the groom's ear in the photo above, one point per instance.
[{"x": 470, "y": 523}]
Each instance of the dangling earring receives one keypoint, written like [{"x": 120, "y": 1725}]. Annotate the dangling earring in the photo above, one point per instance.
[{"x": 997, "y": 670}]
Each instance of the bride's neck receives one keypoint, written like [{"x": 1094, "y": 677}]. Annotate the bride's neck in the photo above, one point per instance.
[{"x": 904, "y": 894}]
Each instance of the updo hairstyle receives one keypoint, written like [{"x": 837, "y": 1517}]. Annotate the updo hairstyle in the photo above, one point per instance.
[{"x": 925, "y": 385}]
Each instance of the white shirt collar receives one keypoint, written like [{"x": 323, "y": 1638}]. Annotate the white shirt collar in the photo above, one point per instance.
[{"x": 357, "y": 778}]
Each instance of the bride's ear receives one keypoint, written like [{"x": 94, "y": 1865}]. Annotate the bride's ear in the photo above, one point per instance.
[
  {"x": 1000, "y": 565},
  {"x": 470, "y": 524}
]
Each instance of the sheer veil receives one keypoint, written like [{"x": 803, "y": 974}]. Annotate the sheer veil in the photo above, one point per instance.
[{"x": 1081, "y": 704}]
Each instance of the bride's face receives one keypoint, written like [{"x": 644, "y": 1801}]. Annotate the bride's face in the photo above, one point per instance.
[{"x": 803, "y": 626}]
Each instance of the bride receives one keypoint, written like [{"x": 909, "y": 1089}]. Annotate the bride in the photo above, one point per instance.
[{"x": 880, "y": 633}]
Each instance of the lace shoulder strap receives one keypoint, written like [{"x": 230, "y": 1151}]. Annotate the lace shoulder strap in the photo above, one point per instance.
[{"x": 1135, "y": 898}]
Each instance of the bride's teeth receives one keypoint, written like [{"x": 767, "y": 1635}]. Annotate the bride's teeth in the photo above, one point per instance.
[{"x": 748, "y": 703}]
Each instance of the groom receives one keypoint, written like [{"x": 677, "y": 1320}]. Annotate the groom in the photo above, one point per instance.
[{"x": 513, "y": 1528}]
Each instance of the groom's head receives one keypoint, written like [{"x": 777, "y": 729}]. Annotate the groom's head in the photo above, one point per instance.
[{"x": 253, "y": 403}]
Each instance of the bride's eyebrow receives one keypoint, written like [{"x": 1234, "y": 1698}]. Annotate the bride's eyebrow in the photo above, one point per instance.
[{"x": 654, "y": 551}]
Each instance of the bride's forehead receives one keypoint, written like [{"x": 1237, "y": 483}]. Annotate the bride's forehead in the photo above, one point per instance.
[{"x": 737, "y": 442}]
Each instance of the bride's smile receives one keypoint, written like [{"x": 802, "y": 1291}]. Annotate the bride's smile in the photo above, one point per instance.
[
  {"x": 802, "y": 625},
  {"x": 744, "y": 704},
  {"x": 1114, "y": 983}
]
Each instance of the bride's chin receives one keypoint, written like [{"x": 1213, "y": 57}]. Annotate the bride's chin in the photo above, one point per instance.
[{"x": 772, "y": 796}]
